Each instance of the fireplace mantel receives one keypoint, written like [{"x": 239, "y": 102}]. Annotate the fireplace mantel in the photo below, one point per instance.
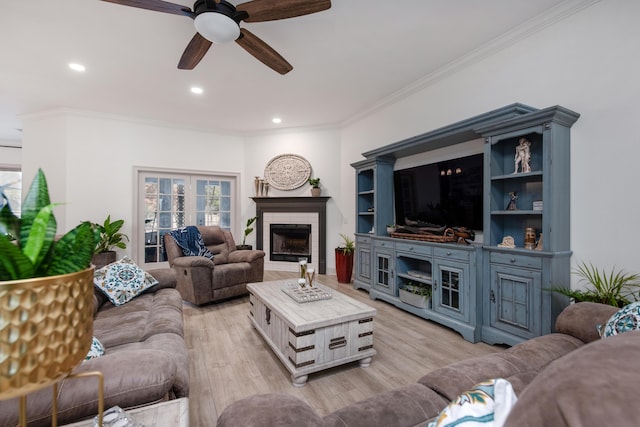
[{"x": 295, "y": 204}]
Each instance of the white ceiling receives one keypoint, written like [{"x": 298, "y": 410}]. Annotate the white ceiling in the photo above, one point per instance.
[{"x": 346, "y": 60}]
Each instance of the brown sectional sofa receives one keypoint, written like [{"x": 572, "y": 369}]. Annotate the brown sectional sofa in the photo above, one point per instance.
[
  {"x": 145, "y": 359},
  {"x": 568, "y": 378},
  {"x": 201, "y": 280}
]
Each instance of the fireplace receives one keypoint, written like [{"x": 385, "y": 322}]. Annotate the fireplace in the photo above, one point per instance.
[
  {"x": 310, "y": 211},
  {"x": 288, "y": 242}
]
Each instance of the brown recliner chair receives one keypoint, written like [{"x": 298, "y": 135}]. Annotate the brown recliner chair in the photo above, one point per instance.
[{"x": 201, "y": 280}]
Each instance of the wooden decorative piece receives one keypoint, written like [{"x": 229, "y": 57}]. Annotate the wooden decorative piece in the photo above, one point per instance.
[{"x": 287, "y": 172}]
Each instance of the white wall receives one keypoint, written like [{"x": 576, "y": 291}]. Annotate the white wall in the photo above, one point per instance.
[
  {"x": 10, "y": 153},
  {"x": 587, "y": 63},
  {"x": 89, "y": 161}
]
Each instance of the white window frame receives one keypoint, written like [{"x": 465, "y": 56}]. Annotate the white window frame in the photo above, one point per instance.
[{"x": 138, "y": 229}]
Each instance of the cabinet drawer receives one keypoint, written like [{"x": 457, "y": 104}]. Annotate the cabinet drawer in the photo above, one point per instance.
[
  {"x": 363, "y": 240},
  {"x": 516, "y": 260},
  {"x": 383, "y": 244},
  {"x": 414, "y": 248},
  {"x": 451, "y": 254}
]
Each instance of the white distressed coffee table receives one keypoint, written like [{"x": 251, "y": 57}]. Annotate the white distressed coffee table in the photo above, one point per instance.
[{"x": 309, "y": 337}]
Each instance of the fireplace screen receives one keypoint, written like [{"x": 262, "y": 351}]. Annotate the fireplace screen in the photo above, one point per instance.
[{"x": 288, "y": 242}]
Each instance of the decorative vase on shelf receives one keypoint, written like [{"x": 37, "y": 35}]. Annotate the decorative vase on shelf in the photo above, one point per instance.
[
  {"x": 315, "y": 192},
  {"x": 266, "y": 189},
  {"x": 256, "y": 183}
]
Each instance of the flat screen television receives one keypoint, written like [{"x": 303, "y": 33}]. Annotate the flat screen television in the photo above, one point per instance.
[{"x": 443, "y": 193}]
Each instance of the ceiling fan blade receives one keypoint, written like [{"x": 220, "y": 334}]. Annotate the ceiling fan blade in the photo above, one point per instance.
[
  {"x": 271, "y": 10},
  {"x": 156, "y": 5},
  {"x": 194, "y": 52},
  {"x": 263, "y": 52}
]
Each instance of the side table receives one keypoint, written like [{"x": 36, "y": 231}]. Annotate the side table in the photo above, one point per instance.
[{"x": 172, "y": 413}]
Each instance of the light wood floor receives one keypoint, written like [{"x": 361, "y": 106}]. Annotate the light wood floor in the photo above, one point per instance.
[{"x": 229, "y": 360}]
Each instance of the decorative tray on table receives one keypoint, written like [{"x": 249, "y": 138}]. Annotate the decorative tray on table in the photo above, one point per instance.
[{"x": 307, "y": 294}]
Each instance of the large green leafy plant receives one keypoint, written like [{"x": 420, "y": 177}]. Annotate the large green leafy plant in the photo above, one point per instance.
[
  {"x": 110, "y": 236},
  {"x": 28, "y": 244}
]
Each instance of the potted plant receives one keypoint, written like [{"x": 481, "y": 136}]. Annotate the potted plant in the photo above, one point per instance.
[
  {"x": 415, "y": 293},
  {"x": 247, "y": 231},
  {"x": 344, "y": 259},
  {"x": 46, "y": 294},
  {"x": 616, "y": 287},
  {"x": 391, "y": 228},
  {"x": 315, "y": 186},
  {"x": 110, "y": 238}
]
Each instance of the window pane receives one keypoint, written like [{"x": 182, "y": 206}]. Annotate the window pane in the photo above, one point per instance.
[
  {"x": 165, "y": 186},
  {"x": 11, "y": 185},
  {"x": 225, "y": 204},
  {"x": 226, "y": 188},
  {"x": 225, "y": 220}
]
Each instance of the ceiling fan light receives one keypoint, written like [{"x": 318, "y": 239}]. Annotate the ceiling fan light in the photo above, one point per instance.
[{"x": 217, "y": 27}]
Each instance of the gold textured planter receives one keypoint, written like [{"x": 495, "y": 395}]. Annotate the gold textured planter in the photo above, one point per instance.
[{"x": 46, "y": 327}]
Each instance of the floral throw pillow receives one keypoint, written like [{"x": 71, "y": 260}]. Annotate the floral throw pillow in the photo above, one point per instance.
[
  {"x": 624, "y": 320},
  {"x": 96, "y": 350},
  {"x": 123, "y": 280},
  {"x": 487, "y": 404}
]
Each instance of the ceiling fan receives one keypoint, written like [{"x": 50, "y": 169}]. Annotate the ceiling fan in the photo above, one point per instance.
[{"x": 218, "y": 21}]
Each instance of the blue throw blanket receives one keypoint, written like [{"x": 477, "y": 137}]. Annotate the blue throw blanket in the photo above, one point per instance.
[{"x": 190, "y": 240}]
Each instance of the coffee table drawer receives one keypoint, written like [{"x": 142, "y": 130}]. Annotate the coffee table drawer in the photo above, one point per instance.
[{"x": 325, "y": 345}]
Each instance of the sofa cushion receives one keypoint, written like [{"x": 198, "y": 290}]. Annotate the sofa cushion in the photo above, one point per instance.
[
  {"x": 149, "y": 314},
  {"x": 624, "y": 320},
  {"x": 531, "y": 355},
  {"x": 123, "y": 280},
  {"x": 405, "y": 406},
  {"x": 581, "y": 319},
  {"x": 485, "y": 404},
  {"x": 592, "y": 386},
  {"x": 125, "y": 385}
]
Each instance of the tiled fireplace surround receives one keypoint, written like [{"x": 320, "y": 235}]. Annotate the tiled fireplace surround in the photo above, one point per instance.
[{"x": 293, "y": 210}]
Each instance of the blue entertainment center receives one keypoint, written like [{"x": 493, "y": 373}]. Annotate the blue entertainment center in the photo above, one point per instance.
[{"x": 486, "y": 291}]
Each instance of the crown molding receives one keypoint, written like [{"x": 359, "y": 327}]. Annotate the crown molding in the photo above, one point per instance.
[{"x": 534, "y": 25}]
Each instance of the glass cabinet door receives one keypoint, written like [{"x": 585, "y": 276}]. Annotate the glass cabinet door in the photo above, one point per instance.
[
  {"x": 384, "y": 279},
  {"x": 451, "y": 290}
]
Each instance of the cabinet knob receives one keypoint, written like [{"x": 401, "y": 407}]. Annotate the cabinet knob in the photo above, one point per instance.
[
  {"x": 492, "y": 297},
  {"x": 448, "y": 253},
  {"x": 512, "y": 260}
]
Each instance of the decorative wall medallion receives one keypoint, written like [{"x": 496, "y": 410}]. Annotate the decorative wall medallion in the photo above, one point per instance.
[{"x": 287, "y": 171}]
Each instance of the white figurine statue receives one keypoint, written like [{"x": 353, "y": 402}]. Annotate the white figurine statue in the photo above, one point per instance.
[{"x": 523, "y": 156}]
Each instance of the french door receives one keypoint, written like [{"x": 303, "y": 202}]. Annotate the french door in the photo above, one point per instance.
[{"x": 168, "y": 200}]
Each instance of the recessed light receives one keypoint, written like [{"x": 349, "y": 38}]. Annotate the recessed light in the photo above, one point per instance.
[
  {"x": 276, "y": 120},
  {"x": 196, "y": 90},
  {"x": 77, "y": 67}
]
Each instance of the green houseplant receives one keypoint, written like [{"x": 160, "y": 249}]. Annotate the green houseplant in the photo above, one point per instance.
[
  {"x": 344, "y": 259},
  {"x": 415, "y": 293},
  {"x": 315, "y": 186},
  {"x": 614, "y": 287},
  {"x": 46, "y": 294},
  {"x": 110, "y": 238},
  {"x": 248, "y": 229}
]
